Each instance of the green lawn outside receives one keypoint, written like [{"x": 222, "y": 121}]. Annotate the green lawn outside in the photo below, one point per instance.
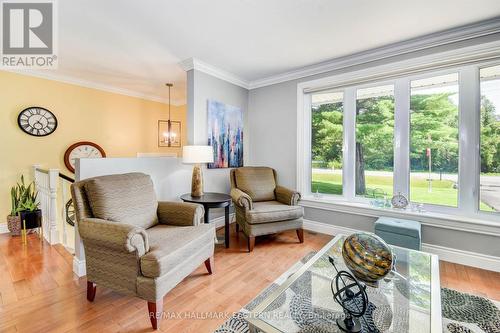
[{"x": 442, "y": 193}]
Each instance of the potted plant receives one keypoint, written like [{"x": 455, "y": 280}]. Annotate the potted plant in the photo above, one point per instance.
[
  {"x": 13, "y": 219},
  {"x": 29, "y": 212},
  {"x": 25, "y": 206}
]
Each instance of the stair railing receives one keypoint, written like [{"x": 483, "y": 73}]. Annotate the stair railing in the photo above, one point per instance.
[{"x": 48, "y": 182}]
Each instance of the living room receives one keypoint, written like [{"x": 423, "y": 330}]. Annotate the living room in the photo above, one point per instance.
[{"x": 289, "y": 166}]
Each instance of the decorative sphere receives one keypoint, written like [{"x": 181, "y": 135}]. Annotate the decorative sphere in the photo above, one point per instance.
[{"x": 367, "y": 256}]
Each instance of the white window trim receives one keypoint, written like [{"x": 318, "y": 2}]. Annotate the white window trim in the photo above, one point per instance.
[{"x": 466, "y": 62}]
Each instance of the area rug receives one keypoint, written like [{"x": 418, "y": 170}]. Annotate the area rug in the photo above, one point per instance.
[{"x": 462, "y": 313}]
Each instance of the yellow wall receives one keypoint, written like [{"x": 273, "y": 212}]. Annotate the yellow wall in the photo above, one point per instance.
[{"x": 121, "y": 125}]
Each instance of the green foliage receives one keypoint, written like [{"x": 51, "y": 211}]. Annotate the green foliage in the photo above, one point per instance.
[
  {"x": 434, "y": 125},
  {"x": 327, "y": 133},
  {"x": 443, "y": 191},
  {"x": 23, "y": 198},
  {"x": 15, "y": 198},
  {"x": 375, "y": 131},
  {"x": 490, "y": 137}
]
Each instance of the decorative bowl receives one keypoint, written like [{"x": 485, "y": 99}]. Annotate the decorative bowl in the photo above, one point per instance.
[{"x": 367, "y": 256}]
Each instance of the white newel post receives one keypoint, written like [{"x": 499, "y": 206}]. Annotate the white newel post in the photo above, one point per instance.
[{"x": 53, "y": 181}]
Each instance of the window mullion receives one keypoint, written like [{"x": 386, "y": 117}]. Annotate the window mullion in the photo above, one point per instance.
[
  {"x": 304, "y": 152},
  {"x": 469, "y": 121},
  {"x": 349, "y": 145},
  {"x": 402, "y": 136}
]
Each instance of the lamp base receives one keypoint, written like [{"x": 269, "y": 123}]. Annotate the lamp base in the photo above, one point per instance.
[{"x": 197, "y": 181}]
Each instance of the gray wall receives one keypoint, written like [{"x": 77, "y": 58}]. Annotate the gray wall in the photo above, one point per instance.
[
  {"x": 273, "y": 141},
  {"x": 202, "y": 87}
]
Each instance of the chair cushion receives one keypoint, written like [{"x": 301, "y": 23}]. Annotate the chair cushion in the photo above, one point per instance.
[
  {"x": 272, "y": 211},
  {"x": 128, "y": 198},
  {"x": 171, "y": 245},
  {"x": 257, "y": 182}
]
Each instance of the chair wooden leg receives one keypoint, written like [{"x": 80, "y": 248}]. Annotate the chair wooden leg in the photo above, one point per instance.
[
  {"x": 237, "y": 226},
  {"x": 300, "y": 234},
  {"x": 251, "y": 243},
  {"x": 155, "y": 310},
  {"x": 91, "y": 288},
  {"x": 210, "y": 265}
]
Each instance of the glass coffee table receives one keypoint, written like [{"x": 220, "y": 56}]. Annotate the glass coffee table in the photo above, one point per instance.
[{"x": 409, "y": 301}]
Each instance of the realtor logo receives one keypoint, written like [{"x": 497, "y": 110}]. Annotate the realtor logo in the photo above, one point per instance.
[{"x": 28, "y": 34}]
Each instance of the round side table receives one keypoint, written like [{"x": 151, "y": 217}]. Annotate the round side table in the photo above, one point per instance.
[{"x": 213, "y": 200}]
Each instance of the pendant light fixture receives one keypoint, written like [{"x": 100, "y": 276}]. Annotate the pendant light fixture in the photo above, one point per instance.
[{"x": 170, "y": 136}]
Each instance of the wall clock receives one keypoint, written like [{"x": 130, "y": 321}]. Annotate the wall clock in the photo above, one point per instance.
[
  {"x": 37, "y": 121},
  {"x": 83, "y": 149}
]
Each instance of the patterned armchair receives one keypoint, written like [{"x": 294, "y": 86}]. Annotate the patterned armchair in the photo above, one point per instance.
[
  {"x": 136, "y": 245},
  {"x": 262, "y": 206}
]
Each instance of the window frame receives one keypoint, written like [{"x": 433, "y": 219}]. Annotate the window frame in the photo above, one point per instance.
[
  {"x": 400, "y": 75},
  {"x": 478, "y": 152}
]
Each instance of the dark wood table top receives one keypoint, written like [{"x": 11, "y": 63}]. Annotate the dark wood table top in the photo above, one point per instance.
[{"x": 208, "y": 197}]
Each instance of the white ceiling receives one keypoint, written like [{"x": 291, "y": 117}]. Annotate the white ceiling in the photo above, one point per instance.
[{"x": 136, "y": 46}]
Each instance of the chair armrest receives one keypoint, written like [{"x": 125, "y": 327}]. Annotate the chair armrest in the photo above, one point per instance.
[
  {"x": 114, "y": 235},
  {"x": 287, "y": 196},
  {"x": 180, "y": 213},
  {"x": 241, "y": 199}
]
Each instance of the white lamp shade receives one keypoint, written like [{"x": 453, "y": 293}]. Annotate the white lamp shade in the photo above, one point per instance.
[{"x": 197, "y": 154}]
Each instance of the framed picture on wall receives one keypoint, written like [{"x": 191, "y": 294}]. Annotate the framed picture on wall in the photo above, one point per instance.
[
  {"x": 169, "y": 137},
  {"x": 225, "y": 135}
]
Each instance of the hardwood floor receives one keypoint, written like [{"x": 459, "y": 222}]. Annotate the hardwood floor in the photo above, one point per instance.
[{"x": 39, "y": 293}]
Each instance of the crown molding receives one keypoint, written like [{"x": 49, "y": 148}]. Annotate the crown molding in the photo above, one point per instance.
[
  {"x": 441, "y": 38},
  {"x": 193, "y": 63},
  {"x": 94, "y": 85}
]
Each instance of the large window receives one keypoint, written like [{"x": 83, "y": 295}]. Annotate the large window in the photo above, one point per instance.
[
  {"x": 434, "y": 140},
  {"x": 433, "y": 136},
  {"x": 374, "y": 141},
  {"x": 326, "y": 142},
  {"x": 490, "y": 139}
]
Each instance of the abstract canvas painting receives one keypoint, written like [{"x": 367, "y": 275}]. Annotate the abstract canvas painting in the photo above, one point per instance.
[{"x": 225, "y": 135}]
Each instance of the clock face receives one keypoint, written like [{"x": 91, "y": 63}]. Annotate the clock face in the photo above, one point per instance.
[
  {"x": 82, "y": 150},
  {"x": 37, "y": 121},
  {"x": 399, "y": 201}
]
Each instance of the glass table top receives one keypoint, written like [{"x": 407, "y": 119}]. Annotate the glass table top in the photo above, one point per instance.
[{"x": 401, "y": 303}]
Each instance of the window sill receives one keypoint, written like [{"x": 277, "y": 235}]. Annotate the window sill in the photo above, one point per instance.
[{"x": 476, "y": 224}]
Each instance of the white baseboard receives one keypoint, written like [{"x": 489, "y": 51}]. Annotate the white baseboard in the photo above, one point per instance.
[
  {"x": 79, "y": 267},
  {"x": 3, "y": 228},
  {"x": 462, "y": 257},
  {"x": 328, "y": 229}
]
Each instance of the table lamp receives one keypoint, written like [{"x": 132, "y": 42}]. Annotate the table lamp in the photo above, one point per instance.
[{"x": 197, "y": 155}]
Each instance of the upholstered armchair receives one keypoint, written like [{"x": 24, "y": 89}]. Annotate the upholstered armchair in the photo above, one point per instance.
[
  {"x": 136, "y": 245},
  {"x": 263, "y": 207}
]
